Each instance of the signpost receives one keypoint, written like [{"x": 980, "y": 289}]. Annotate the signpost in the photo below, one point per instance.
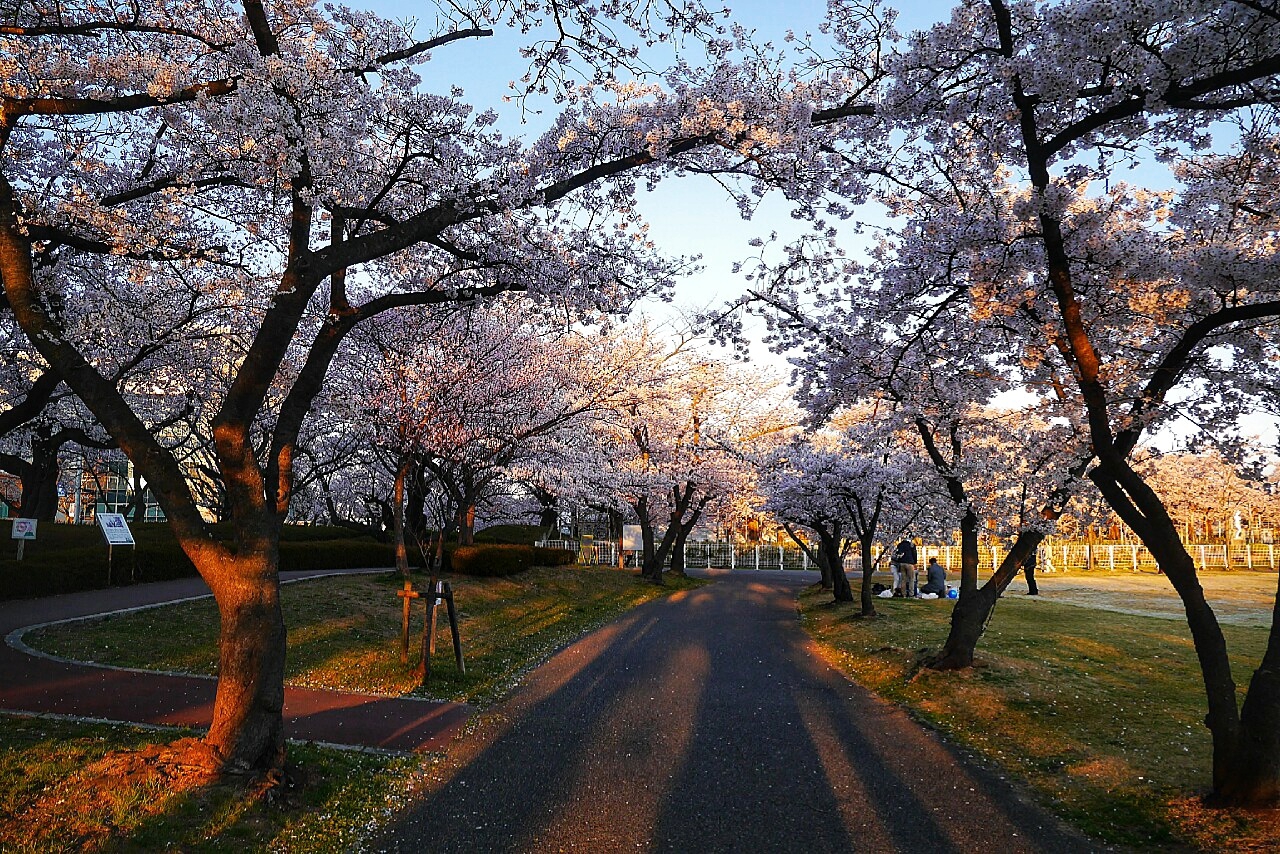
[
  {"x": 23, "y": 530},
  {"x": 115, "y": 530},
  {"x": 632, "y": 541}
]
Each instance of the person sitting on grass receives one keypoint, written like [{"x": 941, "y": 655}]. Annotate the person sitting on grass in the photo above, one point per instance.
[{"x": 937, "y": 578}]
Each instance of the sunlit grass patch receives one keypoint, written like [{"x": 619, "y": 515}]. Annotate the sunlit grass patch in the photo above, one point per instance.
[
  {"x": 1100, "y": 711},
  {"x": 66, "y": 786},
  {"x": 89, "y": 787},
  {"x": 344, "y": 632}
]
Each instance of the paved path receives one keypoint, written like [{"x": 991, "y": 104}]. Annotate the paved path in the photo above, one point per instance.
[
  {"x": 45, "y": 685},
  {"x": 706, "y": 723}
]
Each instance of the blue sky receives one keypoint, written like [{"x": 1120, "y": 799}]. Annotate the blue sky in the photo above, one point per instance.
[
  {"x": 691, "y": 216},
  {"x": 688, "y": 216}
]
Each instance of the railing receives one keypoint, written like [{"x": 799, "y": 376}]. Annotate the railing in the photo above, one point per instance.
[
  {"x": 1054, "y": 556},
  {"x": 1125, "y": 557}
]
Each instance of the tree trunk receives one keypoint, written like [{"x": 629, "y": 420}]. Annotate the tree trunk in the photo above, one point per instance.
[
  {"x": 139, "y": 498},
  {"x": 683, "y": 530},
  {"x": 40, "y": 491},
  {"x": 677, "y": 550},
  {"x": 248, "y": 725},
  {"x": 1246, "y": 755},
  {"x": 969, "y": 622},
  {"x": 402, "y": 553},
  {"x": 866, "y": 596},
  {"x": 467, "y": 524},
  {"x": 972, "y": 609},
  {"x": 1254, "y": 779},
  {"x": 825, "y": 579},
  {"x": 829, "y": 550},
  {"x": 40, "y": 479},
  {"x": 824, "y": 571}
]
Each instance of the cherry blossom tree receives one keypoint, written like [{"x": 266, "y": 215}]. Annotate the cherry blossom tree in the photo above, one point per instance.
[
  {"x": 261, "y": 151},
  {"x": 860, "y": 485},
  {"x": 679, "y": 443},
  {"x": 1141, "y": 299},
  {"x": 901, "y": 333}
]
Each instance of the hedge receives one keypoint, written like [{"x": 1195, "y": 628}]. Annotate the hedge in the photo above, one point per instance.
[
  {"x": 69, "y": 558},
  {"x": 522, "y": 535},
  {"x": 495, "y": 560}
]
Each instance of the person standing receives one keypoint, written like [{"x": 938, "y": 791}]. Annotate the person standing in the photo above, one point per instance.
[
  {"x": 904, "y": 557},
  {"x": 1029, "y": 571}
]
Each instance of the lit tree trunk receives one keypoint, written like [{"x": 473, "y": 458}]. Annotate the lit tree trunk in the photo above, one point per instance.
[
  {"x": 467, "y": 524},
  {"x": 247, "y": 730},
  {"x": 248, "y": 725},
  {"x": 1246, "y": 743},
  {"x": 402, "y": 553}
]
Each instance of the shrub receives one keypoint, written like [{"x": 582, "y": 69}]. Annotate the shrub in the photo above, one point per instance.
[
  {"x": 554, "y": 557},
  {"x": 69, "y": 558},
  {"x": 523, "y": 535},
  {"x": 339, "y": 554},
  {"x": 497, "y": 559}
]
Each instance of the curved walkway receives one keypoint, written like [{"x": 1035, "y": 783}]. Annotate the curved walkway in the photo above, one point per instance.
[
  {"x": 706, "y": 722},
  {"x": 38, "y": 684}
]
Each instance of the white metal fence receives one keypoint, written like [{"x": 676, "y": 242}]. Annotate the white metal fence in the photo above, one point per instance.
[
  {"x": 1054, "y": 556},
  {"x": 1135, "y": 558}
]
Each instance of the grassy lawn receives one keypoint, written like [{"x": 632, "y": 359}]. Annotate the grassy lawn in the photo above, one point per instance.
[
  {"x": 82, "y": 787},
  {"x": 1100, "y": 711},
  {"x": 344, "y": 633}
]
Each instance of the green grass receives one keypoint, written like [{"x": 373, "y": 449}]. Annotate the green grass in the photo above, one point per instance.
[
  {"x": 344, "y": 633},
  {"x": 70, "y": 787},
  {"x": 1101, "y": 712}
]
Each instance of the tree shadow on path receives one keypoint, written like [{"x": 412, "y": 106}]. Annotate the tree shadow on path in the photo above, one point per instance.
[{"x": 705, "y": 722}]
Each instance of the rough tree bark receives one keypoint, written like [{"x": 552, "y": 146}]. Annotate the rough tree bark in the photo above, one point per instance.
[
  {"x": 397, "y": 491},
  {"x": 825, "y": 581},
  {"x": 831, "y": 553}
]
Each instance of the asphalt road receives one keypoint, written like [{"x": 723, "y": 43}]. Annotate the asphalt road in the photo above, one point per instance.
[{"x": 705, "y": 722}]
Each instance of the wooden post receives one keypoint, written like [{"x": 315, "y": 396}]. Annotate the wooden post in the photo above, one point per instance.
[
  {"x": 407, "y": 594},
  {"x": 429, "y": 630},
  {"x": 453, "y": 627}
]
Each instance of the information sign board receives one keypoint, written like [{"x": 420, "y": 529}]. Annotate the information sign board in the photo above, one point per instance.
[
  {"x": 632, "y": 540},
  {"x": 24, "y": 529},
  {"x": 115, "y": 529}
]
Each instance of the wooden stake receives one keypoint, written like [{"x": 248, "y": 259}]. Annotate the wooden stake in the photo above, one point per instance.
[
  {"x": 453, "y": 628},
  {"x": 407, "y": 594},
  {"x": 429, "y": 631}
]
